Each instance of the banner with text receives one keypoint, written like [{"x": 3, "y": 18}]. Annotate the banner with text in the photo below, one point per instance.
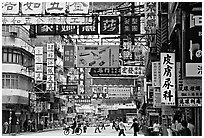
[
  {"x": 97, "y": 56},
  {"x": 168, "y": 78}
]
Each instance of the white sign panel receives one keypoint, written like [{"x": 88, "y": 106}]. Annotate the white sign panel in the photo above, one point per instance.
[
  {"x": 10, "y": 7},
  {"x": 193, "y": 69},
  {"x": 55, "y": 7},
  {"x": 119, "y": 92},
  {"x": 31, "y": 7},
  {"x": 168, "y": 78},
  {"x": 50, "y": 67},
  {"x": 38, "y": 76},
  {"x": 97, "y": 56},
  {"x": 157, "y": 98},
  {"x": 78, "y": 7},
  {"x": 156, "y": 72},
  {"x": 133, "y": 70},
  {"x": 71, "y": 20},
  {"x": 38, "y": 63}
]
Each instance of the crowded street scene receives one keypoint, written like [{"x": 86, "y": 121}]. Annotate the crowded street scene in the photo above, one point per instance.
[{"x": 101, "y": 68}]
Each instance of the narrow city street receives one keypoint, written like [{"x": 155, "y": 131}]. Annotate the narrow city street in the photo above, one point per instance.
[
  {"x": 76, "y": 64},
  {"x": 90, "y": 132}
]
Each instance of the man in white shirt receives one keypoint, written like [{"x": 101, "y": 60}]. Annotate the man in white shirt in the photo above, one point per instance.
[
  {"x": 191, "y": 127},
  {"x": 156, "y": 128},
  {"x": 122, "y": 127}
]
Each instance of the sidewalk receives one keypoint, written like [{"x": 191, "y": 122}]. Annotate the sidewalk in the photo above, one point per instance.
[{"x": 22, "y": 133}]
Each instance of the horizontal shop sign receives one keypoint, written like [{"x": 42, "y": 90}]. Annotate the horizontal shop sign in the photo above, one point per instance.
[
  {"x": 29, "y": 20},
  {"x": 97, "y": 56},
  {"x": 69, "y": 89}
]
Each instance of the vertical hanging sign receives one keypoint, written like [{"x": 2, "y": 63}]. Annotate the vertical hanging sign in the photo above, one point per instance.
[
  {"x": 38, "y": 63},
  {"x": 50, "y": 67},
  {"x": 81, "y": 81},
  {"x": 68, "y": 56},
  {"x": 168, "y": 78}
]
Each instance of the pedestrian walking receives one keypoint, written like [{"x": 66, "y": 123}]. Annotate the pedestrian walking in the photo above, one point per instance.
[
  {"x": 191, "y": 127},
  {"x": 156, "y": 128},
  {"x": 122, "y": 128},
  {"x": 184, "y": 131},
  {"x": 135, "y": 127},
  {"x": 5, "y": 126},
  {"x": 113, "y": 126},
  {"x": 97, "y": 126},
  {"x": 103, "y": 125}
]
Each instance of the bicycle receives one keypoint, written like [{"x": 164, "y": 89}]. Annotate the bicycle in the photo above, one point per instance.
[{"x": 68, "y": 129}]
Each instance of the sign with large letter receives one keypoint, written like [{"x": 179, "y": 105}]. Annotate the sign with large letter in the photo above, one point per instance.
[
  {"x": 193, "y": 47},
  {"x": 109, "y": 25},
  {"x": 97, "y": 56},
  {"x": 168, "y": 78}
]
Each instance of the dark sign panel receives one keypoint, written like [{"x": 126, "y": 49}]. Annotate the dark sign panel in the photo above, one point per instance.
[
  {"x": 109, "y": 25},
  {"x": 130, "y": 25},
  {"x": 66, "y": 29},
  {"x": 68, "y": 56},
  {"x": 56, "y": 29},
  {"x": 105, "y": 72},
  {"x": 68, "y": 89},
  {"x": 47, "y": 29},
  {"x": 32, "y": 31},
  {"x": 89, "y": 29}
]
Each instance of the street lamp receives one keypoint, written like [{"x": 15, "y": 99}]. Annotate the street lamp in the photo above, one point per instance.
[{"x": 10, "y": 118}]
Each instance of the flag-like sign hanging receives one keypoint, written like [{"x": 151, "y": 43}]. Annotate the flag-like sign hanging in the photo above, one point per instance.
[
  {"x": 168, "y": 78},
  {"x": 97, "y": 56}
]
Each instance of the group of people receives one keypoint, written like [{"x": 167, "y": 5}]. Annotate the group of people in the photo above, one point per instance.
[
  {"x": 120, "y": 126},
  {"x": 98, "y": 125},
  {"x": 182, "y": 128}
]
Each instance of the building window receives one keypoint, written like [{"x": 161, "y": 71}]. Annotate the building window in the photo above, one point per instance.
[
  {"x": 17, "y": 57},
  {"x": 15, "y": 81}
]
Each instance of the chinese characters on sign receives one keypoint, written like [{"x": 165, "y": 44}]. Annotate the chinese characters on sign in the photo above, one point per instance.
[
  {"x": 68, "y": 56},
  {"x": 10, "y": 7},
  {"x": 109, "y": 25},
  {"x": 48, "y": 29},
  {"x": 168, "y": 78},
  {"x": 29, "y": 20},
  {"x": 81, "y": 81},
  {"x": 133, "y": 70},
  {"x": 89, "y": 29},
  {"x": 78, "y": 7},
  {"x": 189, "y": 90},
  {"x": 50, "y": 67},
  {"x": 32, "y": 8},
  {"x": 130, "y": 25},
  {"x": 150, "y": 15},
  {"x": 157, "y": 98},
  {"x": 55, "y": 7},
  {"x": 156, "y": 74},
  {"x": 119, "y": 92},
  {"x": 38, "y": 63}
]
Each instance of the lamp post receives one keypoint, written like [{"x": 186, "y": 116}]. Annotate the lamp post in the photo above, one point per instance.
[{"x": 10, "y": 118}]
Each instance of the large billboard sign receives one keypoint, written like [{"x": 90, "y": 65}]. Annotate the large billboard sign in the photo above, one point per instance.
[
  {"x": 97, "y": 56},
  {"x": 193, "y": 47},
  {"x": 168, "y": 78}
]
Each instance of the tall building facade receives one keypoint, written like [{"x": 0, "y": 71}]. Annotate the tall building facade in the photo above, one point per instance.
[{"x": 17, "y": 74}]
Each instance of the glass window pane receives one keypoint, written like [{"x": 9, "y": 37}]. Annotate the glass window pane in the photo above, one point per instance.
[
  {"x": 14, "y": 58},
  {"x": 10, "y": 57},
  {"x": 12, "y": 83},
  {"x": 5, "y": 57},
  {"x": 7, "y": 83}
]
